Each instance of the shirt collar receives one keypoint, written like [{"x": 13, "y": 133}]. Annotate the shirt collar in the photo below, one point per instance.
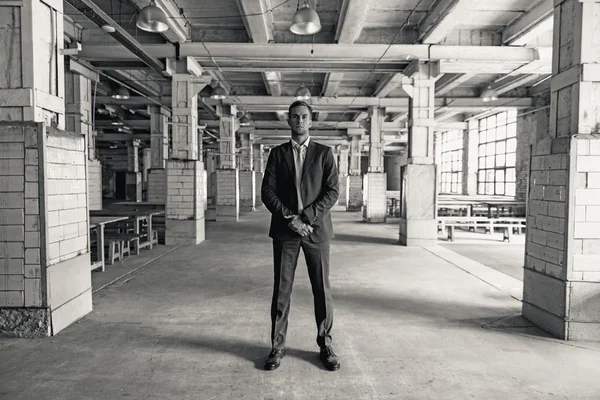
[{"x": 297, "y": 145}]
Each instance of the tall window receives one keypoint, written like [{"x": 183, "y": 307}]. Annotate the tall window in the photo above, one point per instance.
[
  {"x": 497, "y": 154},
  {"x": 451, "y": 143}
]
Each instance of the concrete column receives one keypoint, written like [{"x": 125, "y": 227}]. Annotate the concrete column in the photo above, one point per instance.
[
  {"x": 44, "y": 244},
  {"x": 159, "y": 153},
  {"x": 228, "y": 193},
  {"x": 375, "y": 179},
  {"x": 78, "y": 110},
  {"x": 470, "y": 158},
  {"x": 418, "y": 191},
  {"x": 562, "y": 263},
  {"x": 133, "y": 186},
  {"x": 259, "y": 170},
  {"x": 184, "y": 206},
  {"x": 354, "y": 181},
  {"x": 247, "y": 181},
  {"x": 343, "y": 174}
]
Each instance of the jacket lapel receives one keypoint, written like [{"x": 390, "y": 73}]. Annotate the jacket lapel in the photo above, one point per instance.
[
  {"x": 288, "y": 156},
  {"x": 310, "y": 156}
]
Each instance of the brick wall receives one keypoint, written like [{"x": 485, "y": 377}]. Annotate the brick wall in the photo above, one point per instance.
[
  {"x": 116, "y": 159},
  {"x": 531, "y": 128},
  {"x": 247, "y": 190},
  {"x": 258, "y": 177},
  {"x": 355, "y": 192},
  {"x": 184, "y": 196},
  {"x": 157, "y": 185},
  {"x": 23, "y": 253},
  {"x": 586, "y": 234},
  {"x": 13, "y": 218},
  {"x": 95, "y": 184},
  {"x": 375, "y": 197},
  {"x": 546, "y": 220},
  {"x": 66, "y": 196},
  {"x": 227, "y": 188}
]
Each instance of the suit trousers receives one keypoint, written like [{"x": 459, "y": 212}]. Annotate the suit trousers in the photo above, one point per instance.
[{"x": 285, "y": 254}]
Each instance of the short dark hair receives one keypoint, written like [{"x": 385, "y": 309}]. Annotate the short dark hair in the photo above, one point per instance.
[{"x": 299, "y": 103}]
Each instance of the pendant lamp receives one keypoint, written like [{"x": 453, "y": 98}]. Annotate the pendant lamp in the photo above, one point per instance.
[
  {"x": 488, "y": 94},
  {"x": 152, "y": 19},
  {"x": 120, "y": 93},
  {"x": 302, "y": 93},
  {"x": 219, "y": 93},
  {"x": 305, "y": 21}
]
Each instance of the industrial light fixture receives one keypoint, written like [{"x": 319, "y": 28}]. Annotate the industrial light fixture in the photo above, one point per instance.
[
  {"x": 152, "y": 19},
  {"x": 219, "y": 93},
  {"x": 305, "y": 21},
  {"x": 302, "y": 93},
  {"x": 120, "y": 93},
  {"x": 116, "y": 121},
  {"x": 108, "y": 28},
  {"x": 245, "y": 120},
  {"x": 489, "y": 94}
]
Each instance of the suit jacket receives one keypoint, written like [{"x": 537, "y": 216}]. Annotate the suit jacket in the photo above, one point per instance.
[{"x": 318, "y": 190}]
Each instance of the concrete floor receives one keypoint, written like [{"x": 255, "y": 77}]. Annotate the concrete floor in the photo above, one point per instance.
[{"x": 194, "y": 324}]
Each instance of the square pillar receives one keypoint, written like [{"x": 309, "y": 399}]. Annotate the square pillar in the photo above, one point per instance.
[
  {"x": 354, "y": 181},
  {"x": 159, "y": 153},
  {"x": 470, "y": 158},
  {"x": 227, "y": 176},
  {"x": 185, "y": 208},
  {"x": 343, "y": 174},
  {"x": 44, "y": 245},
  {"x": 247, "y": 179},
  {"x": 375, "y": 185},
  {"x": 133, "y": 179},
  {"x": 184, "y": 221},
  {"x": 418, "y": 188},
  {"x": 562, "y": 262},
  {"x": 259, "y": 170}
]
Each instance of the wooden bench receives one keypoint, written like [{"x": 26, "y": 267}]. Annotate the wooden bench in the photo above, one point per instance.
[
  {"x": 471, "y": 223},
  {"x": 124, "y": 240},
  {"x": 507, "y": 224}
]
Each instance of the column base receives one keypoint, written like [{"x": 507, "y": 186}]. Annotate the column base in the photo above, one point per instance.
[
  {"x": 418, "y": 232},
  {"x": 375, "y": 209},
  {"x": 227, "y": 214},
  {"x": 228, "y": 195},
  {"x": 355, "y": 192},
  {"x": 343, "y": 199},
  {"x": 26, "y": 323},
  {"x": 69, "y": 299},
  {"x": 247, "y": 191},
  {"x": 184, "y": 232},
  {"x": 157, "y": 185},
  {"x": 133, "y": 186},
  {"x": 545, "y": 302},
  {"x": 258, "y": 177}
]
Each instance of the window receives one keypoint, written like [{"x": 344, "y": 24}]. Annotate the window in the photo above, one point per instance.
[
  {"x": 451, "y": 146},
  {"x": 497, "y": 154}
]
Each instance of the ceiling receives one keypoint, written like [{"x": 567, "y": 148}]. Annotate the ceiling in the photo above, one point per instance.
[{"x": 355, "y": 62}]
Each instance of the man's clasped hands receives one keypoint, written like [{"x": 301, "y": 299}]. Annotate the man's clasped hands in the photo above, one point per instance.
[{"x": 298, "y": 226}]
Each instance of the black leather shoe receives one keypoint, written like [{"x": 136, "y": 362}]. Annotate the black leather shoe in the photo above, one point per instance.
[
  {"x": 329, "y": 359},
  {"x": 274, "y": 359}
]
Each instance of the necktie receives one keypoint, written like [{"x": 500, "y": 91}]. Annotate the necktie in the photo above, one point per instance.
[{"x": 299, "y": 161}]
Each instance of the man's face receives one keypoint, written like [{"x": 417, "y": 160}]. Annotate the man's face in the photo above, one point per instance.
[{"x": 300, "y": 120}]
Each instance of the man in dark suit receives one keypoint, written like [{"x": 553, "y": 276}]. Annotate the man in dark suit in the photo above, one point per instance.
[{"x": 299, "y": 188}]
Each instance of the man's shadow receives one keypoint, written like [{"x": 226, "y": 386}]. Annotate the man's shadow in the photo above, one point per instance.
[{"x": 253, "y": 352}]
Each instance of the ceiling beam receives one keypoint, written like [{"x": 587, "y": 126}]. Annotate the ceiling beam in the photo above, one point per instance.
[
  {"x": 127, "y": 43},
  {"x": 179, "y": 29},
  {"x": 351, "y": 20},
  {"x": 450, "y": 82},
  {"x": 442, "y": 18},
  {"x": 506, "y": 85},
  {"x": 281, "y": 104},
  {"x": 259, "y": 25},
  {"x": 388, "y": 84},
  {"x": 530, "y": 25},
  {"x": 243, "y": 55}
]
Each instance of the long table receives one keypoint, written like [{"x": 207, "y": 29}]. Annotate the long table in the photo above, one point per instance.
[
  {"x": 137, "y": 215},
  {"x": 98, "y": 223}
]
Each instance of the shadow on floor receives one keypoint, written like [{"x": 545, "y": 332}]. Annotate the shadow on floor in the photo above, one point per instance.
[
  {"x": 252, "y": 352},
  {"x": 344, "y": 237}
]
